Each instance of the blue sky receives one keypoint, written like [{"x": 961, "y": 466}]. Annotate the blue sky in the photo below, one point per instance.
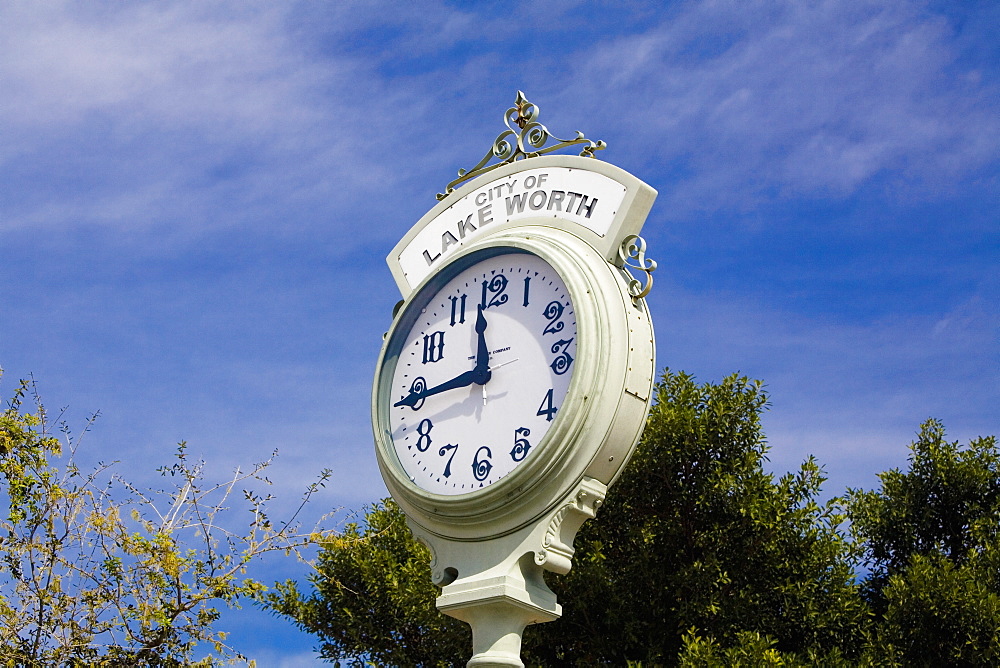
[{"x": 196, "y": 201}]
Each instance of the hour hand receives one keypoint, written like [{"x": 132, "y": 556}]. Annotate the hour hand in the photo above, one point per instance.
[
  {"x": 418, "y": 392},
  {"x": 479, "y": 375}
]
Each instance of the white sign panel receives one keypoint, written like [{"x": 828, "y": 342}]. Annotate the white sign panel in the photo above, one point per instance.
[
  {"x": 590, "y": 194},
  {"x": 587, "y": 198}
]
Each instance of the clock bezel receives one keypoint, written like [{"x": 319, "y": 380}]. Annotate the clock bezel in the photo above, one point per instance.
[{"x": 579, "y": 431}]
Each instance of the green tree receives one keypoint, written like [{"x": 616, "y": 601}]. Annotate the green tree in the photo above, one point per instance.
[
  {"x": 700, "y": 557},
  {"x": 930, "y": 539},
  {"x": 95, "y": 571},
  {"x": 697, "y": 549},
  {"x": 696, "y": 538}
]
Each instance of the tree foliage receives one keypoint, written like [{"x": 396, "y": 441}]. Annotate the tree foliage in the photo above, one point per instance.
[
  {"x": 699, "y": 557},
  {"x": 97, "y": 571},
  {"x": 945, "y": 504},
  {"x": 694, "y": 536},
  {"x": 930, "y": 539},
  {"x": 697, "y": 537},
  {"x": 373, "y": 599}
]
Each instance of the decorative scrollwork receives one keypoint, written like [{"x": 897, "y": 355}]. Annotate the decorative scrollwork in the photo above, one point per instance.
[
  {"x": 556, "y": 551},
  {"x": 526, "y": 141},
  {"x": 633, "y": 255}
]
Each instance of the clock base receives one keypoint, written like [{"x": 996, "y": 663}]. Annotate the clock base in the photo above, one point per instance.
[
  {"x": 498, "y": 609},
  {"x": 497, "y": 586}
]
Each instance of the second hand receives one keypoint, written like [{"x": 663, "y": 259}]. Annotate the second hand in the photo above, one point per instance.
[{"x": 494, "y": 368}]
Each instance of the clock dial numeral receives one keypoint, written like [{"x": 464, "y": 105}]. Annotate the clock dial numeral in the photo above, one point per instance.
[
  {"x": 444, "y": 451},
  {"x": 424, "y": 429},
  {"x": 457, "y": 308},
  {"x": 481, "y": 467},
  {"x": 527, "y": 281},
  {"x": 560, "y": 364},
  {"x": 494, "y": 290},
  {"x": 547, "y": 410},
  {"x": 554, "y": 312},
  {"x": 433, "y": 347},
  {"x": 521, "y": 445}
]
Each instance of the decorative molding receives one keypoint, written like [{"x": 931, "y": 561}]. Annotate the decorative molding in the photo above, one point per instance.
[
  {"x": 557, "y": 550},
  {"x": 529, "y": 133}
]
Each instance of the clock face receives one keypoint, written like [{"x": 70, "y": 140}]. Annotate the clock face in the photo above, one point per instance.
[{"x": 482, "y": 368}]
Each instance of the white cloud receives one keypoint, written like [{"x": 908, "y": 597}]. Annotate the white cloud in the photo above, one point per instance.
[
  {"x": 201, "y": 117},
  {"x": 161, "y": 63},
  {"x": 184, "y": 115}
]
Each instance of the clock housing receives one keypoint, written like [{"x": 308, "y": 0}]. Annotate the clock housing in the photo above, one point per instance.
[{"x": 596, "y": 412}]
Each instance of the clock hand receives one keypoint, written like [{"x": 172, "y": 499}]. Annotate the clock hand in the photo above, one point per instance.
[
  {"x": 461, "y": 380},
  {"x": 494, "y": 368},
  {"x": 480, "y": 375},
  {"x": 482, "y": 352}
]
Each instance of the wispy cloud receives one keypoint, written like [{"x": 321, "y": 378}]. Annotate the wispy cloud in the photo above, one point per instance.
[
  {"x": 756, "y": 101},
  {"x": 181, "y": 115},
  {"x": 852, "y": 393}
]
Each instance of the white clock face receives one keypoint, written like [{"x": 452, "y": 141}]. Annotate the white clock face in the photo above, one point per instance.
[{"x": 484, "y": 364}]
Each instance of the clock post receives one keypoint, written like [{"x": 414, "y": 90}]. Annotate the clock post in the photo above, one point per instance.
[{"x": 517, "y": 374}]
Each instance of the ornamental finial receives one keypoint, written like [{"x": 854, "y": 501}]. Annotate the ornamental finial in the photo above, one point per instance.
[{"x": 529, "y": 133}]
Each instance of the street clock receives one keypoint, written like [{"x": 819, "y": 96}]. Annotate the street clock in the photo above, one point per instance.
[{"x": 516, "y": 376}]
